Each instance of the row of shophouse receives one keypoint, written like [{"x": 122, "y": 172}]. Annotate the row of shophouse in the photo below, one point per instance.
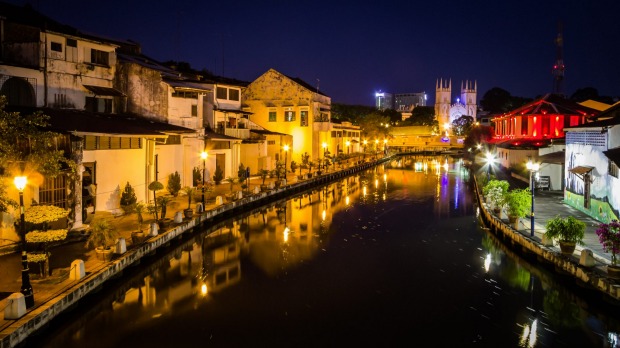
[
  {"x": 126, "y": 118},
  {"x": 576, "y": 144}
]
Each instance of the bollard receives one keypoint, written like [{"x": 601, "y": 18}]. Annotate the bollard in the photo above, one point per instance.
[
  {"x": 587, "y": 258},
  {"x": 256, "y": 190},
  {"x": 121, "y": 246},
  {"x": 178, "y": 217},
  {"x": 546, "y": 241},
  {"x": 15, "y": 306},
  {"x": 239, "y": 194},
  {"x": 154, "y": 229},
  {"x": 77, "y": 270},
  {"x": 219, "y": 200}
]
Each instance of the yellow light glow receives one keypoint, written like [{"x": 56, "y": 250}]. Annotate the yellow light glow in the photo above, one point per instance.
[
  {"x": 364, "y": 191},
  {"x": 203, "y": 289},
  {"x": 346, "y": 200},
  {"x": 285, "y": 148},
  {"x": 348, "y": 143},
  {"x": 324, "y": 145},
  {"x": 20, "y": 182},
  {"x": 487, "y": 262},
  {"x": 384, "y": 177},
  {"x": 385, "y": 141},
  {"x": 323, "y": 215},
  {"x": 286, "y": 233},
  {"x": 204, "y": 155},
  {"x": 376, "y": 141},
  {"x": 533, "y": 166},
  {"x": 365, "y": 142},
  {"x": 376, "y": 183}
]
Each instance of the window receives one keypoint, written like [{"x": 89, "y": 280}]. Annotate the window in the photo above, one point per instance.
[
  {"x": 613, "y": 169},
  {"x": 99, "y": 57},
  {"x": 303, "y": 121},
  {"x": 233, "y": 94},
  {"x": 56, "y": 46},
  {"x": 272, "y": 116},
  {"x": 271, "y": 142},
  {"x": 92, "y": 142},
  {"x": 222, "y": 93},
  {"x": 187, "y": 95},
  {"x": 194, "y": 110},
  {"x": 72, "y": 54},
  {"x": 53, "y": 191},
  {"x": 524, "y": 125},
  {"x": 289, "y": 116},
  {"x": 94, "y": 104}
]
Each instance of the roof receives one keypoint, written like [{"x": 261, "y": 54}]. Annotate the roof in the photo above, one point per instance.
[
  {"x": 187, "y": 85},
  {"x": 580, "y": 171},
  {"x": 593, "y": 104},
  {"x": 211, "y": 134},
  {"x": 557, "y": 157},
  {"x": 26, "y": 15},
  {"x": 552, "y": 104},
  {"x": 233, "y": 111},
  {"x": 523, "y": 144},
  {"x": 613, "y": 155},
  {"x": 85, "y": 122},
  {"x": 266, "y": 132},
  {"x": 612, "y": 112},
  {"x": 109, "y": 91}
]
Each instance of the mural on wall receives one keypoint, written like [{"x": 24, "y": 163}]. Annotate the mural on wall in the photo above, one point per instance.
[{"x": 602, "y": 205}]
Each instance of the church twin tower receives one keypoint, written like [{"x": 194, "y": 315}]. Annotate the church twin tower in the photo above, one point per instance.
[{"x": 445, "y": 111}]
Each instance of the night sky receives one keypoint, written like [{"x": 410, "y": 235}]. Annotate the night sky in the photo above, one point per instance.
[{"x": 353, "y": 48}]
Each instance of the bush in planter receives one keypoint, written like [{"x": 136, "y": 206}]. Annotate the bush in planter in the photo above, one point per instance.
[
  {"x": 609, "y": 236},
  {"x": 518, "y": 202},
  {"x": 497, "y": 198},
  {"x": 569, "y": 231},
  {"x": 502, "y": 184},
  {"x": 294, "y": 167},
  {"x": 218, "y": 176},
  {"x": 155, "y": 186},
  {"x": 128, "y": 198},
  {"x": 102, "y": 235},
  {"x": 174, "y": 184}
]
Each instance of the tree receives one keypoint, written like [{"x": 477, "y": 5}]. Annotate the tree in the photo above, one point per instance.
[
  {"x": 421, "y": 116},
  {"x": 174, "y": 183},
  {"x": 477, "y": 135},
  {"x": 462, "y": 125},
  {"x": 25, "y": 144},
  {"x": 496, "y": 100},
  {"x": 373, "y": 126}
]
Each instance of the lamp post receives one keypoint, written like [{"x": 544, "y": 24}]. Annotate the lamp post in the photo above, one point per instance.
[
  {"x": 285, "y": 159},
  {"x": 533, "y": 168},
  {"x": 203, "y": 155},
  {"x": 26, "y": 289},
  {"x": 365, "y": 144},
  {"x": 490, "y": 161},
  {"x": 348, "y": 143}
]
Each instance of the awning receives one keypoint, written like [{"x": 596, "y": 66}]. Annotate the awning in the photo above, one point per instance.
[
  {"x": 108, "y": 91},
  {"x": 581, "y": 171}
]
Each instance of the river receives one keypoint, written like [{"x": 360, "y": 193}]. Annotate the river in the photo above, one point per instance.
[{"x": 395, "y": 256}]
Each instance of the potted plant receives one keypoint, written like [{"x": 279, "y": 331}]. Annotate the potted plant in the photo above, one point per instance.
[
  {"x": 174, "y": 184},
  {"x": 102, "y": 236},
  {"x": 293, "y": 166},
  {"x": 189, "y": 191},
  {"x": 502, "y": 184},
  {"x": 128, "y": 198},
  {"x": 609, "y": 236},
  {"x": 138, "y": 236},
  {"x": 497, "y": 199},
  {"x": 155, "y": 186},
  {"x": 218, "y": 176},
  {"x": 518, "y": 204},
  {"x": 263, "y": 173},
  {"x": 568, "y": 231},
  {"x": 163, "y": 204}
]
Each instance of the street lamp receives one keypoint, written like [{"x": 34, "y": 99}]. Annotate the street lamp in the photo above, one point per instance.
[
  {"x": 348, "y": 143},
  {"x": 285, "y": 159},
  {"x": 20, "y": 184},
  {"x": 533, "y": 168},
  {"x": 490, "y": 161},
  {"x": 203, "y": 155}
]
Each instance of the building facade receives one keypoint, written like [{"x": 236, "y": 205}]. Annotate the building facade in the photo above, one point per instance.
[{"x": 446, "y": 111}]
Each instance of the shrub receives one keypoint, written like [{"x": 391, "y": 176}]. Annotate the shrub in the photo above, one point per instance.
[
  {"x": 566, "y": 229},
  {"x": 502, "y": 184},
  {"x": 196, "y": 176},
  {"x": 128, "y": 198},
  {"x": 218, "y": 176},
  {"x": 518, "y": 202},
  {"x": 174, "y": 184}
]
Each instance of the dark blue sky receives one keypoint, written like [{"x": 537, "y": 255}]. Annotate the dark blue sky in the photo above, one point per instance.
[{"x": 356, "y": 48}]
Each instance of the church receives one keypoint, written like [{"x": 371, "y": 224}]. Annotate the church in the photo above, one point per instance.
[{"x": 445, "y": 111}]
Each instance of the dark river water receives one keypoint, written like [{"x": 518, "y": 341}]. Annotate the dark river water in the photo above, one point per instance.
[{"x": 395, "y": 256}]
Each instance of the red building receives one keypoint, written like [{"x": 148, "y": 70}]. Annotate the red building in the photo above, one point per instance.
[{"x": 543, "y": 119}]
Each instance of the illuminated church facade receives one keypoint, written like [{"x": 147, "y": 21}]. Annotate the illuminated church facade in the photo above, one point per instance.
[{"x": 445, "y": 111}]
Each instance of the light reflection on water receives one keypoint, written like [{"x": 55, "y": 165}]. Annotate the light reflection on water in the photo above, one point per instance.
[{"x": 392, "y": 254}]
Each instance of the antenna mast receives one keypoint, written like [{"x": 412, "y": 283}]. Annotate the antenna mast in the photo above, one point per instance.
[{"x": 558, "y": 68}]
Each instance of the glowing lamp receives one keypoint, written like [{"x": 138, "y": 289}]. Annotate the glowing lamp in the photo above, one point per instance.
[{"x": 20, "y": 182}]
